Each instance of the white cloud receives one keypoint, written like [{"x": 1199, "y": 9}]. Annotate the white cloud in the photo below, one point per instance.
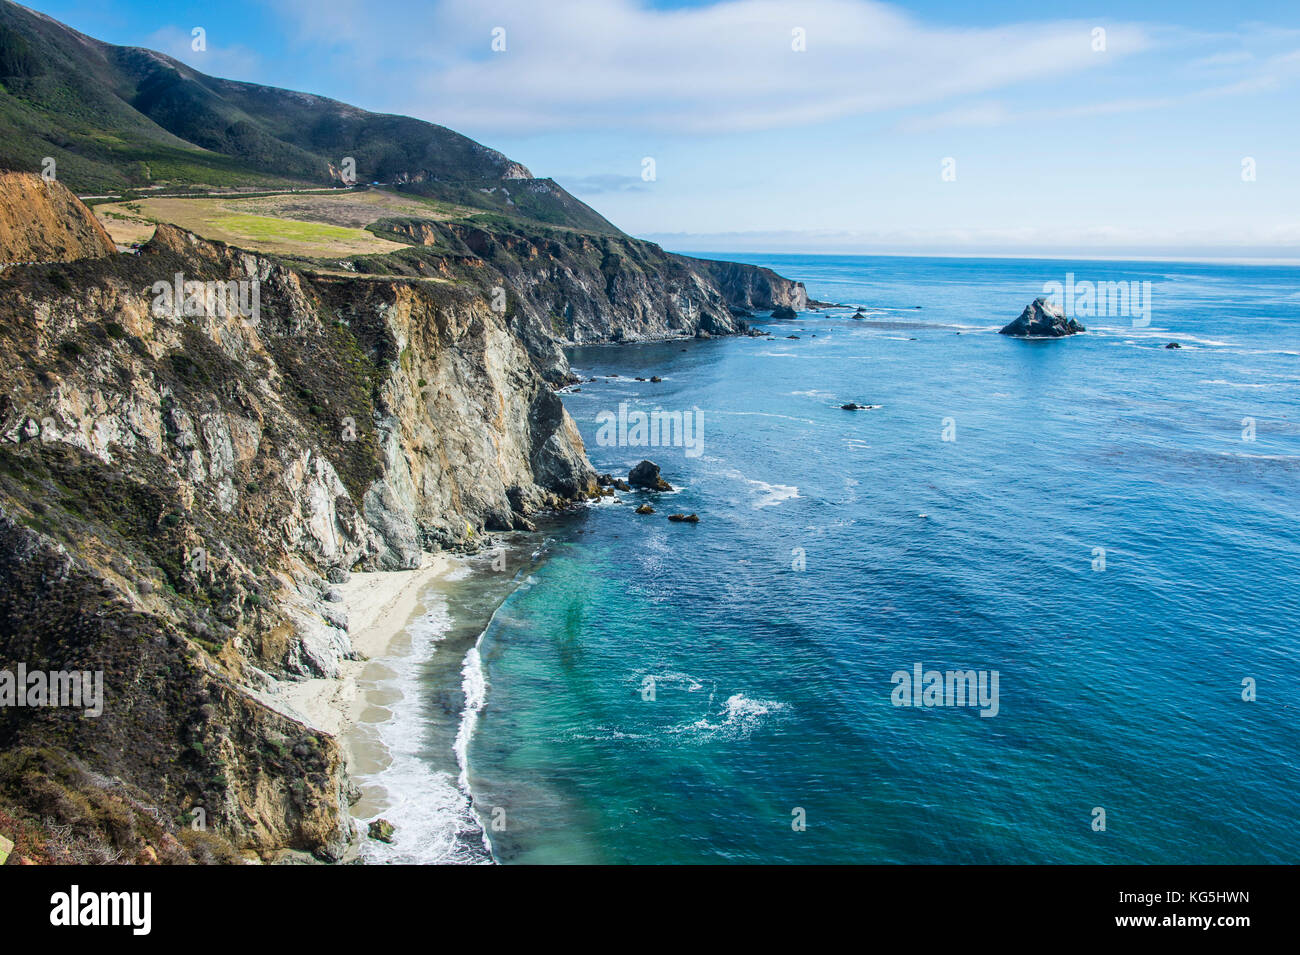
[
  {"x": 230, "y": 61},
  {"x": 1271, "y": 74},
  {"x": 725, "y": 67}
]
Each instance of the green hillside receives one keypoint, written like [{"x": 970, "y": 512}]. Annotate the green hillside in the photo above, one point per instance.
[{"x": 120, "y": 118}]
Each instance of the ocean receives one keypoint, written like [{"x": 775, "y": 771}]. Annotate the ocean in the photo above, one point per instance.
[{"x": 1103, "y": 529}]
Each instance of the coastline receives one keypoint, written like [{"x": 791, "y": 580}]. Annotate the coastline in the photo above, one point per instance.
[{"x": 379, "y": 606}]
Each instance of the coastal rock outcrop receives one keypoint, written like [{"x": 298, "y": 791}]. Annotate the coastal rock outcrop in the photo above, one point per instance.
[
  {"x": 558, "y": 287},
  {"x": 646, "y": 475},
  {"x": 751, "y": 288},
  {"x": 1042, "y": 319}
]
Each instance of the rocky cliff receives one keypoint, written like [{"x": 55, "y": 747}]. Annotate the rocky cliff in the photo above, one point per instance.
[
  {"x": 180, "y": 475},
  {"x": 41, "y": 221},
  {"x": 567, "y": 288}
]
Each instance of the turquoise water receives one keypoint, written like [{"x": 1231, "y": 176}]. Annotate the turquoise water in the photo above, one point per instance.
[{"x": 1118, "y": 688}]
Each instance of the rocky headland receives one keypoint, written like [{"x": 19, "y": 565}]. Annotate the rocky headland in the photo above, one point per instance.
[{"x": 189, "y": 494}]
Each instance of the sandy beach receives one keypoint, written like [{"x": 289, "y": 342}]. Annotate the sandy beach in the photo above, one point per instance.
[{"x": 378, "y": 605}]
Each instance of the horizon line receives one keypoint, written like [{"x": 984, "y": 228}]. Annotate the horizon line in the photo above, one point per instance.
[{"x": 1202, "y": 260}]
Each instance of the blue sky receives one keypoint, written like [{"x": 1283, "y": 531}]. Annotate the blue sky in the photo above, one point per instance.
[{"x": 1061, "y": 143}]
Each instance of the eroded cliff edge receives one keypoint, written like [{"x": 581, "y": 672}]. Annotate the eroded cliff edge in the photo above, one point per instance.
[{"x": 181, "y": 478}]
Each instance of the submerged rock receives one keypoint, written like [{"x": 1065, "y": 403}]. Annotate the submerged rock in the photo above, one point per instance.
[
  {"x": 646, "y": 474},
  {"x": 684, "y": 518},
  {"x": 1042, "y": 319},
  {"x": 1173, "y": 345}
]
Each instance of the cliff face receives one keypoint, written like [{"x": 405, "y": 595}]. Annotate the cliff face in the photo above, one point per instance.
[
  {"x": 752, "y": 287},
  {"x": 178, "y": 477},
  {"x": 42, "y": 221},
  {"x": 569, "y": 288}
]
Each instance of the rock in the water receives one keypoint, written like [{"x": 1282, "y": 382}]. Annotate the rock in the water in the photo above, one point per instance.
[
  {"x": 655, "y": 379},
  {"x": 1173, "y": 345},
  {"x": 1042, "y": 319},
  {"x": 646, "y": 474},
  {"x": 784, "y": 311},
  {"x": 684, "y": 518},
  {"x": 645, "y": 509},
  {"x": 382, "y": 830},
  {"x": 852, "y": 406}
]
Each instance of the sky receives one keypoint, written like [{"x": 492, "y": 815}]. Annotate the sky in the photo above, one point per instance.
[{"x": 1007, "y": 127}]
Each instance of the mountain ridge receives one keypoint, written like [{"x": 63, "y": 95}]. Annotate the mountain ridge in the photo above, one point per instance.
[{"x": 215, "y": 132}]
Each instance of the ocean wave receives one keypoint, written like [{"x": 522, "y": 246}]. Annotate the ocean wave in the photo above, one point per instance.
[
  {"x": 1236, "y": 384},
  {"x": 671, "y": 678},
  {"x": 740, "y": 718},
  {"x": 433, "y": 815},
  {"x": 474, "y": 685},
  {"x": 762, "y": 414},
  {"x": 1247, "y": 456},
  {"x": 1157, "y": 334}
]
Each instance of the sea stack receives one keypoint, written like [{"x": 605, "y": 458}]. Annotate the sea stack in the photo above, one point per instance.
[
  {"x": 646, "y": 475},
  {"x": 1042, "y": 319}
]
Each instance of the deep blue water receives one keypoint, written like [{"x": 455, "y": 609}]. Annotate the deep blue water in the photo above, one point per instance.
[{"x": 1118, "y": 688}]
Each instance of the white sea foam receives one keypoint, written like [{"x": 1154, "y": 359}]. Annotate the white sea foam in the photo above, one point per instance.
[
  {"x": 671, "y": 678},
  {"x": 1245, "y": 455},
  {"x": 773, "y": 494},
  {"x": 432, "y": 814},
  {"x": 474, "y": 684},
  {"x": 762, "y": 414},
  {"x": 739, "y": 719},
  {"x": 1236, "y": 384}
]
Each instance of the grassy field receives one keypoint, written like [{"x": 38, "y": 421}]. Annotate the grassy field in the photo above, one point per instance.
[{"x": 313, "y": 225}]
